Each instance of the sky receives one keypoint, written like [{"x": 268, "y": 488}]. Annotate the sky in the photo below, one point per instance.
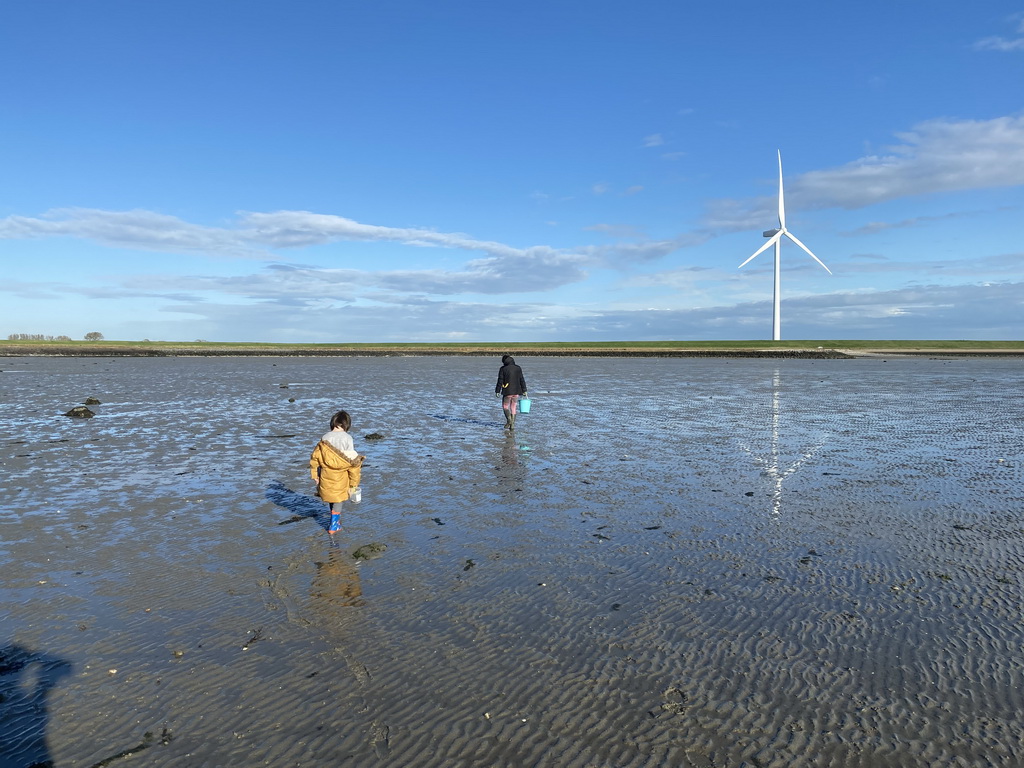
[{"x": 556, "y": 170}]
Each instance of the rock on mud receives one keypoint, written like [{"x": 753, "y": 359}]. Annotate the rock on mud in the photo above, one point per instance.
[
  {"x": 80, "y": 412},
  {"x": 369, "y": 551}
]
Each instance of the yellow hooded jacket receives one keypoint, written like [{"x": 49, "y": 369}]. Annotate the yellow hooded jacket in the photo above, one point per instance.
[{"x": 335, "y": 473}]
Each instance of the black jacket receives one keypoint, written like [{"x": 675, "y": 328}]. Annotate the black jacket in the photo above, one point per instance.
[{"x": 510, "y": 380}]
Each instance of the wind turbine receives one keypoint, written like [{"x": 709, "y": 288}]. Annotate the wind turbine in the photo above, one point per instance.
[{"x": 776, "y": 240}]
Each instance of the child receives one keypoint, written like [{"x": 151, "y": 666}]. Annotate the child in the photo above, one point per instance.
[{"x": 336, "y": 467}]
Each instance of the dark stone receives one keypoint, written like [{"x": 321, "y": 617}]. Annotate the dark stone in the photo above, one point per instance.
[
  {"x": 80, "y": 412},
  {"x": 369, "y": 551},
  {"x": 92, "y": 401},
  {"x": 373, "y": 436}
]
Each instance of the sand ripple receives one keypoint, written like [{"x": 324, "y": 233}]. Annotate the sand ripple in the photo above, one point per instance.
[{"x": 673, "y": 563}]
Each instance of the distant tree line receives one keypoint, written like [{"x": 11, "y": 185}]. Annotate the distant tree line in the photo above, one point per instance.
[{"x": 91, "y": 336}]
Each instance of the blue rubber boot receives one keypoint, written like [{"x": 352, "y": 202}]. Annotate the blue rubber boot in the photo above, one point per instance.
[{"x": 335, "y": 525}]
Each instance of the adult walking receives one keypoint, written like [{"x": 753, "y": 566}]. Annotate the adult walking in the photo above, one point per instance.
[{"x": 511, "y": 385}]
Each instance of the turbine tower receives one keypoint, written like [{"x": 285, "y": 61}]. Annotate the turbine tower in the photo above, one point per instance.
[{"x": 776, "y": 240}]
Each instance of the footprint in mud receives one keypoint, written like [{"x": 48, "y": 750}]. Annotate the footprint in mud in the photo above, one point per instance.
[
  {"x": 380, "y": 738},
  {"x": 674, "y": 702},
  {"x": 359, "y": 672}
]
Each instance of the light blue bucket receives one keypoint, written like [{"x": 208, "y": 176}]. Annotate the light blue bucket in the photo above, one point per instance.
[{"x": 524, "y": 405}]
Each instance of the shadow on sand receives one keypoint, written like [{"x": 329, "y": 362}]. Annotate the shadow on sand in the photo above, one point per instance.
[
  {"x": 303, "y": 506},
  {"x": 26, "y": 678}
]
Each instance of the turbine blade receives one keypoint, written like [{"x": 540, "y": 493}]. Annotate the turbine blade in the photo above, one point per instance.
[
  {"x": 774, "y": 239},
  {"x": 782, "y": 204},
  {"x": 793, "y": 237}
]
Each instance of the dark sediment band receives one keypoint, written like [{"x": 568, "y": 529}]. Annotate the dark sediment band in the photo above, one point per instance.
[{"x": 804, "y": 354}]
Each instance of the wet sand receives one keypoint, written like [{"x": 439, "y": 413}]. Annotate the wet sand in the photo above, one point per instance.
[{"x": 674, "y": 562}]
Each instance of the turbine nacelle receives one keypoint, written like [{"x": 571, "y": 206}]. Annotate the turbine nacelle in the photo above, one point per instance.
[{"x": 770, "y": 232}]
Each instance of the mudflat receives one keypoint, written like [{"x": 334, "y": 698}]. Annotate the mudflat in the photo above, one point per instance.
[{"x": 678, "y": 562}]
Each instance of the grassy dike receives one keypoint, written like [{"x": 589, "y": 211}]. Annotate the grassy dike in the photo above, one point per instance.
[{"x": 804, "y": 348}]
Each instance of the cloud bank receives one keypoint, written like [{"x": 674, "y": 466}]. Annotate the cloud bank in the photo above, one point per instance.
[{"x": 501, "y": 269}]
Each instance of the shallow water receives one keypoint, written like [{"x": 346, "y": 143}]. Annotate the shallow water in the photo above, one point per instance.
[{"x": 672, "y": 563}]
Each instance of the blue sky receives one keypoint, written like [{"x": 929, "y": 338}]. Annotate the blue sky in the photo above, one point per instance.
[{"x": 319, "y": 171}]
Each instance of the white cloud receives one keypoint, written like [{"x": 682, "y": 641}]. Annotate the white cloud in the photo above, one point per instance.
[
  {"x": 935, "y": 156},
  {"x": 501, "y": 269},
  {"x": 255, "y": 233},
  {"x": 654, "y": 140},
  {"x": 131, "y": 229},
  {"x": 998, "y": 43},
  {"x": 296, "y": 229}
]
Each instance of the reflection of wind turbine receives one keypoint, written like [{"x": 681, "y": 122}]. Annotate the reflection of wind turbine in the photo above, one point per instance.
[
  {"x": 776, "y": 240},
  {"x": 771, "y": 464}
]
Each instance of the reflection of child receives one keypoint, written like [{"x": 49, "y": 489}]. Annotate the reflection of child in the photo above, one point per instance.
[
  {"x": 336, "y": 581},
  {"x": 336, "y": 467}
]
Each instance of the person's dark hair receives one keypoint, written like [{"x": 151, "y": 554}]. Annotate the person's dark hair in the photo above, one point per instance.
[{"x": 341, "y": 419}]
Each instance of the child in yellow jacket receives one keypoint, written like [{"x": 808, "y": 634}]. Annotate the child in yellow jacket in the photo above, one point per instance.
[{"x": 336, "y": 467}]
